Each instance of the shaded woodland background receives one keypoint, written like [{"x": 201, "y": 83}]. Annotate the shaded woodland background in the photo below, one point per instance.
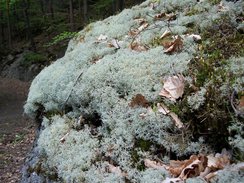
[{"x": 45, "y": 26}]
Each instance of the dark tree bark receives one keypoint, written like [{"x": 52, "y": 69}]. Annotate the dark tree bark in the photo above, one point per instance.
[
  {"x": 8, "y": 24},
  {"x": 121, "y": 4},
  {"x": 85, "y": 10},
  {"x": 50, "y": 8},
  {"x": 1, "y": 28},
  {"x": 114, "y": 8},
  {"x": 26, "y": 4},
  {"x": 80, "y": 11},
  {"x": 71, "y": 15},
  {"x": 42, "y": 6}
]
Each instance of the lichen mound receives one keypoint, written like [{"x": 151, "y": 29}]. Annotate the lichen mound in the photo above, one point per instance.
[{"x": 99, "y": 106}]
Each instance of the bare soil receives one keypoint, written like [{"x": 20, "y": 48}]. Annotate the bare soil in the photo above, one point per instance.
[{"x": 17, "y": 132}]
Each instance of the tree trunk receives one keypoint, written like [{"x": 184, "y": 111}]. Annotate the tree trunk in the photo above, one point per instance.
[
  {"x": 8, "y": 24},
  {"x": 42, "y": 7},
  {"x": 80, "y": 11},
  {"x": 114, "y": 8},
  {"x": 50, "y": 8},
  {"x": 28, "y": 27},
  {"x": 71, "y": 15},
  {"x": 1, "y": 28},
  {"x": 121, "y": 4},
  {"x": 85, "y": 8}
]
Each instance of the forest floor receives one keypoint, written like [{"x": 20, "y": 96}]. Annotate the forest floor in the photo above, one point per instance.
[{"x": 17, "y": 132}]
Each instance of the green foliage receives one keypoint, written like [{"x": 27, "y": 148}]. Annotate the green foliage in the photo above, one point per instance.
[
  {"x": 100, "y": 5},
  {"x": 61, "y": 37},
  {"x": 33, "y": 58}
]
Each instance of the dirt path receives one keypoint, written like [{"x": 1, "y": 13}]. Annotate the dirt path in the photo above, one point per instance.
[{"x": 16, "y": 131}]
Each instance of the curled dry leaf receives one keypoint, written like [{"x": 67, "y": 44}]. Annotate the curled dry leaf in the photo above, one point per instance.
[
  {"x": 139, "y": 100},
  {"x": 219, "y": 161},
  {"x": 143, "y": 26},
  {"x": 149, "y": 111},
  {"x": 195, "y": 37},
  {"x": 102, "y": 37},
  {"x": 133, "y": 32},
  {"x": 115, "y": 169},
  {"x": 153, "y": 5},
  {"x": 176, "y": 166},
  {"x": 138, "y": 47},
  {"x": 240, "y": 106},
  {"x": 170, "y": 16},
  {"x": 81, "y": 39},
  {"x": 63, "y": 139},
  {"x": 153, "y": 164},
  {"x": 172, "y": 180},
  {"x": 114, "y": 43},
  {"x": 221, "y": 7},
  {"x": 163, "y": 109},
  {"x": 195, "y": 168},
  {"x": 165, "y": 34},
  {"x": 177, "y": 120},
  {"x": 159, "y": 16},
  {"x": 175, "y": 46},
  {"x": 173, "y": 87},
  {"x": 140, "y": 21}
]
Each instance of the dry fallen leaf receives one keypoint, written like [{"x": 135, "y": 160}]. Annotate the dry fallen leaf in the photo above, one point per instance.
[
  {"x": 222, "y": 8},
  {"x": 153, "y": 5},
  {"x": 114, "y": 43},
  {"x": 63, "y": 139},
  {"x": 163, "y": 109},
  {"x": 143, "y": 26},
  {"x": 153, "y": 164},
  {"x": 240, "y": 106},
  {"x": 219, "y": 161},
  {"x": 149, "y": 111},
  {"x": 173, "y": 87},
  {"x": 115, "y": 169},
  {"x": 170, "y": 16},
  {"x": 138, "y": 47},
  {"x": 195, "y": 37},
  {"x": 176, "y": 166},
  {"x": 102, "y": 37},
  {"x": 139, "y": 100},
  {"x": 173, "y": 180},
  {"x": 195, "y": 168},
  {"x": 140, "y": 21},
  {"x": 165, "y": 34},
  {"x": 159, "y": 16},
  {"x": 133, "y": 32},
  {"x": 175, "y": 46},
  {"x": 177, "y": 120}
]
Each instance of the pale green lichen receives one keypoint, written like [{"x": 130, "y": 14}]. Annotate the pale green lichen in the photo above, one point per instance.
[
  {"x": 113, "y": 131},
  {"x": 197, "y": 99}
]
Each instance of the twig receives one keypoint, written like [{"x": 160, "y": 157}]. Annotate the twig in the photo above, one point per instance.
[{"x": 66, "y": 100}]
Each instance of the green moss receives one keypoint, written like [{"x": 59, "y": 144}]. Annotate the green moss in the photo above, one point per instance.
[
  {"x": 192, "y": 11},
  {"x": 214, "y": 2},
  {"x": 144, "y": 145},
  {"x": 33, "y": 58},
  {"x": 50, "y": 114},
  {"x": 208, "y": 70}
]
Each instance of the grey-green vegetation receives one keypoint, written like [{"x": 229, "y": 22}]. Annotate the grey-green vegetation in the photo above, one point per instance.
[{"x": 96, "y": 82}]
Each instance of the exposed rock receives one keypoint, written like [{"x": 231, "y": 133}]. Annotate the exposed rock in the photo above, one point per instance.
[{"x": 11, "y": 67}]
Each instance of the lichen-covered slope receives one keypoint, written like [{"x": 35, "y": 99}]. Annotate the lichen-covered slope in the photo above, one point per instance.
[{"x": 99, "y": 104}]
